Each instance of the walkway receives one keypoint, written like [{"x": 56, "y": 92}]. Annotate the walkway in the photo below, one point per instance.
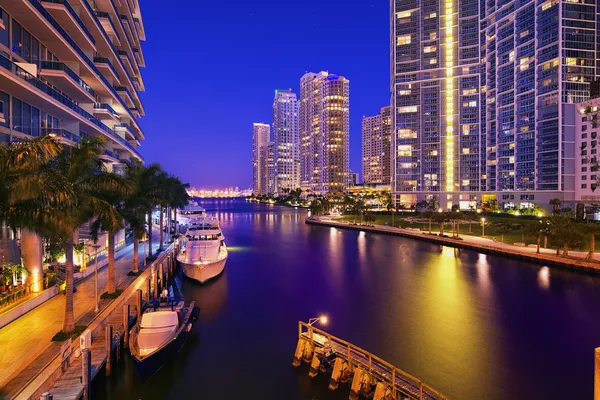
[
  {"x": 29, "y": 337},
  {"x": 575, "y": 259}
]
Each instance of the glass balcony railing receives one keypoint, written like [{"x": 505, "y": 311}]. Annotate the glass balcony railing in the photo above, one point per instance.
[
  {"x": 126, "y": 55},
  {"x": 61, "y": 133},
  {"x": 69, "y": 40},
  {"x": 50, "y": 91},
  {"x": 124, "y": 125},
  {"x": 124, "y": 89},
  {"x": 59, "y": 66},
  {"x": 75, "y": 17},
  {"x": 104, "y": 106},
  {"x": 104, "y": 60},
  {"x": 110, "y": 154},
  {"x": 102, "y": 14},
  {"x": 129, "y": 146}
]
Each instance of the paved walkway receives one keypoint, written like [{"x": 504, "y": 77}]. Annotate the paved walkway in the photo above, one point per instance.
[
  {"x": 575, "y": 257},
  {"x": 29, "y": 337}
]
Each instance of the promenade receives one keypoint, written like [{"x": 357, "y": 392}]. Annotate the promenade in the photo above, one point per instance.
[
  {"x": 26, "y": 342},
  {"x": 575, "y": 260}
]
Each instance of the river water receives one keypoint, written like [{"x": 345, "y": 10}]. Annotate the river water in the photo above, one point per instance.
[{"x": 471, "y": 325}]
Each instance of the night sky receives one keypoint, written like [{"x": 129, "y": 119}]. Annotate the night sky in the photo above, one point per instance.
[{"x": 212, "y": 68}]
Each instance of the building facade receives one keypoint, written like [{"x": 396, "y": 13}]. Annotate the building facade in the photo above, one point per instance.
[
  {"x": 286, "y": 141},
  {"x": 267, "y": 169},
  {"x": 324, "y": 133},
  {"x": 587, "y": 169},
  {"x": 376, "y": 148},
  {"x": 261, "y": 134},
  {"x": 71, "y": 71},
  {"x": 480, "y": 93}
]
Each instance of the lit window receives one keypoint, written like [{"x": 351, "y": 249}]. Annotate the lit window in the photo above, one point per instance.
[
  {"x": 401, "y": 40},
  {"x": 433, "y": 61},
  {"x": 571, "y": 61},
  {"x": 511, "y": 56},
  {"x": 403, "y": 14},
  {"x": 429, "y": 49},
  {"x": 407, "y": 109},
  {"x": 466, "y": 150}
]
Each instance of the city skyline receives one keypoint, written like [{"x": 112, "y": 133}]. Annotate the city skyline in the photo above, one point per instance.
[{"x": 197, "y": 123}]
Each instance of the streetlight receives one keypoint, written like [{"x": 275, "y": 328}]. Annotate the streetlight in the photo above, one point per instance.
[
  {"x": 322, "y": 319},
  {"x": 482, "y": 227},
  {"x": 96, "y": 247}
]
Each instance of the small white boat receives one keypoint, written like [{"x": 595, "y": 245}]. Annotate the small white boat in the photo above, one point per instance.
[{"x": 203, "y": 252}]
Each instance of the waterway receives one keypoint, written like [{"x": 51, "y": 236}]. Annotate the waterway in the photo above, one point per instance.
[{"x": 471, "y": 325}]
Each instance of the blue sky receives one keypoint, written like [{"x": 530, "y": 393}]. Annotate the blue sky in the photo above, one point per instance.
[{"x": 213, "y": 67}]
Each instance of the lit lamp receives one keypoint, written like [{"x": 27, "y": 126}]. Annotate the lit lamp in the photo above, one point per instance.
[
  {"x": 322, "y": 319},
  {"x": 482, "y": 227}
]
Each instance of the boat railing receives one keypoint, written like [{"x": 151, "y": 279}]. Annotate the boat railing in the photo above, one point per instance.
[{"x": 400, "y": 381}]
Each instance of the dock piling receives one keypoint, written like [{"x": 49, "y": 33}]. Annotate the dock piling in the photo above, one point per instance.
[
  {"x": 46, "y": 396},
  {"x": 86, "y": 373},
  {"x": 597, "y": 373},
  {"x": 138, "y": 303},
  {"x": 126, "y": 325},
  {"x": 155, "y": 283},
  {"x": 148, "y": 289},
  {"x": 108, "y": 346}
]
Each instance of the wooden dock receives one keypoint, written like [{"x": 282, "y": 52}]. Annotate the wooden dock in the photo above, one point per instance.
[{"x": 367, "y": 372}]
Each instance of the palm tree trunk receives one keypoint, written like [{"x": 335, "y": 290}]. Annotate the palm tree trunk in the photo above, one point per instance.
[
  {"x": 136, "y": 244},
  {"x": 502, "y": 237},
  {"x": 69, "y": 321},
  {"x": 162, "y": 222},
  {"x": 566, "y": 250},
  {"x": 150, "y": 233},
  {"x": 539, "y": 239},
  {"x": 111, "y": 263},
  {"x": 430, "y": 226},
  {"x": 175, "y": 219},
  {"x": 523, "y": 237},
  {"x": 590, "y": 255}
]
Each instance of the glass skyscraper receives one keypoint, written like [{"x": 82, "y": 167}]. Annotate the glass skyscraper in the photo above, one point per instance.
[
  {"x": 286, "y": 141},
  {"x": 481, "y": 93}
]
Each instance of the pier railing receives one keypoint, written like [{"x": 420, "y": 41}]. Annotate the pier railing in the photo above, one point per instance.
[{"x": 400, "y": 382}]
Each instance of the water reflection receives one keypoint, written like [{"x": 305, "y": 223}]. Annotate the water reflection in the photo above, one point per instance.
[{"x": 544, "y": 277}]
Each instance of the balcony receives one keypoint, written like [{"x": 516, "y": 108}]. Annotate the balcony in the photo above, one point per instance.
[
  {"x": 124, "y": 127},
  {"x": 125, "y": 95},
  {"x": 66, "y": 16},
  {"x": 63, "y": 135},
  {"x": 109, "y": 26},
  {"x": 105, "y": 111},
  {"x": 127, "y": 61},
  {"x": 139, "y": 84},
  {"x": 68, "y": 81},
  {"x": 136, "y": 112},
  {"x": 105, "y": 65},
  {"x": 109, "y": 155},
  {"x": 139, "y": 57}
]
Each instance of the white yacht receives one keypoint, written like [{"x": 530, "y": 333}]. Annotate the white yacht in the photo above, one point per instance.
[
  {"x": 203, "y": 252},
  {"x": 191, "y": 211}
]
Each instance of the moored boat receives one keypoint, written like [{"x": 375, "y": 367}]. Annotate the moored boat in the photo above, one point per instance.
[{"x": 160, "y": 334}]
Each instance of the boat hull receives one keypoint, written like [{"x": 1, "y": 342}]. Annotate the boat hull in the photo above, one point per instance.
[
  {"x": 203, "y": 272},
  {"x": 150, "y": 365}
]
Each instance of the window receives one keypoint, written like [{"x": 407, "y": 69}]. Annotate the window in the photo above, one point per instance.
[
  {"x": 17, "y": 115},
  {"x": 2, "y": 118},
  {"x": 401, "y": 40},
  {"x": 407, "y": 109},
  {"x": 584, "y": 185},
  {"x": 35, "y": 122}
]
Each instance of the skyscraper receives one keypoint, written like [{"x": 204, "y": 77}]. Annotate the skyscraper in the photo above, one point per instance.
[
  {"x": 286, "y": 141},
  {"x": 267, "y": 169},
  {"x": 324, "y": 132},
  {"x": 376, "y": 140},
  {"x": 260, "y": 134},
  {"x": 479, "y": 94},
  {"x": 65, "y": 73}
]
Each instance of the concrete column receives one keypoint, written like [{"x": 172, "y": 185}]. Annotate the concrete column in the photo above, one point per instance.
[
  {"x": 86, "y": 375},
  {"x": 126, "y": 325},
  {"x": 138, "y": 303},
  {"x": 108, "y": 346}
]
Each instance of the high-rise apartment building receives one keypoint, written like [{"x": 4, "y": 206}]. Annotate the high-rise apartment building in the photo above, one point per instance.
[
  {"x": 71, "y": 69},
  {"x": 324, "y": 132},
  {"x": 479, "y": 91},
  {"x": 376, "y": 140},
  {"x": 267, "y": 169},
  {"x": 261, "y": 134},
  {"x": 286, "y": 141}
]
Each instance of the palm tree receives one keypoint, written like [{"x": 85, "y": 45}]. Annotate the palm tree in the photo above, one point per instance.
[
  {"x": 563, "y": 232},
  {"x": 535, "y": 229},
  {"x": 555, "y": 205},
  {"x": 591, "y": 228},
  {"x": 86, "y": 179},
  {"x": 503, "y": 228}
]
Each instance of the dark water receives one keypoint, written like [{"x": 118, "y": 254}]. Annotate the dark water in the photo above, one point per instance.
[{"x": 471, "y": 325}]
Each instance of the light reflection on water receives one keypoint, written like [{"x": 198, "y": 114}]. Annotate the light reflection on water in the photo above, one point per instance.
[{"x": 473, "y": 326}]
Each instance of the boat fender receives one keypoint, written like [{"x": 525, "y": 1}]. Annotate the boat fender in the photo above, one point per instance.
[
  {"x": 195, "y": 314},
  {"x": 188, "y": 327}
]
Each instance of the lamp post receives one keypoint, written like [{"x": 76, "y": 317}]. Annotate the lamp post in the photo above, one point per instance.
[
  {"x": 482, "y": 227},
  {"x": 95, "y": 247},
  {"x": 322, "y": 319}
]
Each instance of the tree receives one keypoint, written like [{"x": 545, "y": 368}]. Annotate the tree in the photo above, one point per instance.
[
  {"x": 591, "y": 228},
  {"x": 563, "y": 232},
  {"x": 535, "y": 229},
  {"x": 441, "y": 218},
  {"x": 86, "y": 179},
  {"x": 555, "y": 205},
  {"x": 502, "y": 228}
]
